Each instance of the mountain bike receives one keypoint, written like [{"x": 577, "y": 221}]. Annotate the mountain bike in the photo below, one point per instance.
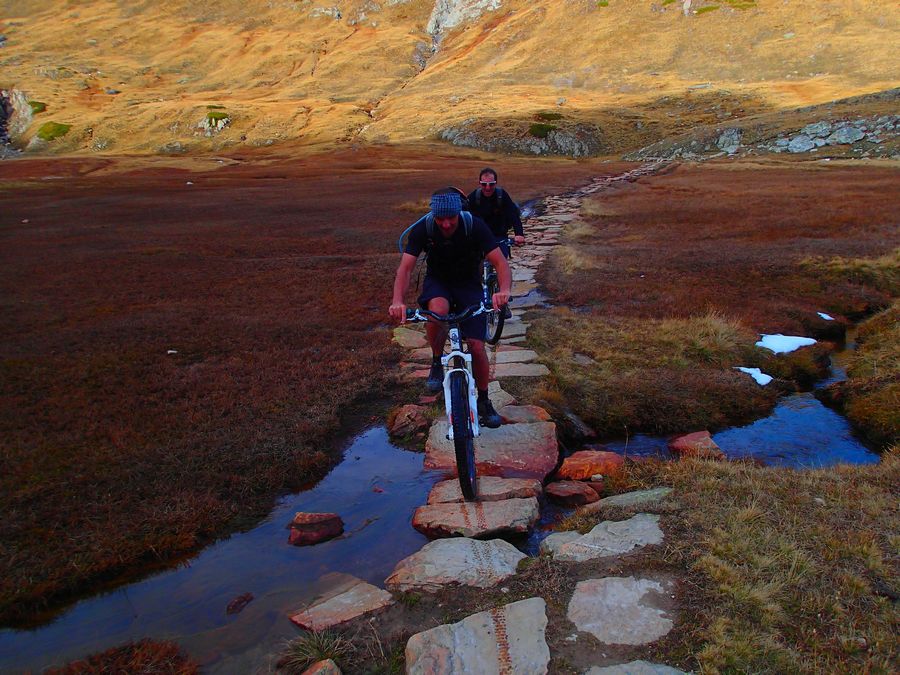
[
  {"x": 460, "y": 393},
  {"x": 490, "y": 284}
]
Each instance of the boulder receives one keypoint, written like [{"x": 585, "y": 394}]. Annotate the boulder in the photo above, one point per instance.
[
  {"x": 605, "y": 539},
  {"x": 635, "y": 498},
  {"x": 698, "y": 444},
  {"x": 498, "y": 396},
  {"x": 571, "y": 493},
  {"x": 409, "y": 338},
  {"x": 312, "y": 528},
  {"x": 845, "y": 136},
  {"x": 477, "y": 519},
  {"x": 490, "y": 489},
  {"x": 801, "y": 143},
  {"x": 344, "y": 599},
  {"x": 584, "y": 464},
  {"x": 622, "y": 610},
  {"x": 512, "y": 451},
  {"x": 514, "y": 414},
  {"x": 455, "y": 562},
  {"x": 408, "y": 421},
  {"x": 501, "y": 641}
]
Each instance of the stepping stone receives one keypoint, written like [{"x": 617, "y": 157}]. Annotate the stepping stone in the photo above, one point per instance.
[
  {"x": 516, "y": 339},
  {"x": 502, "y": 641},
  {"x": 516, "y": 414},
  {"x": 477, "y": 519},
  {"x": 307, "y": 529},
  {"x": 498, "y": 396},
  {"x": 622, "y": 610},
  {"x": 583, "y": 464},
  {"x": 422, "y": 354},
  {"x": 605, "y": 539},
  {"x": 698, "y": 444},
  {"x": 409, "y": 338},
  {"x": 490, "y": 489},
  {"x": 512, "y": 451},
  {"x": 523, "y": 287},
  {"x": 636, "y": 498},
  {"x": 635, "y": 668},
  {"x": 571, "y": 493},
  {"x": 455, "y": 562},
  {"x": 521, "y": 370},
  {"x": 518, "y": 356},
  {"x": 344, "y": 599},
  {"x": 515, "y": 328},
  {"x": 523, "y": 275}
]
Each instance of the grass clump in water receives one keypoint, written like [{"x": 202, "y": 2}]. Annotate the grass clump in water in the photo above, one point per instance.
[
  {"x": 51, "y": 130},
  {"x": 541, "y": 129}
]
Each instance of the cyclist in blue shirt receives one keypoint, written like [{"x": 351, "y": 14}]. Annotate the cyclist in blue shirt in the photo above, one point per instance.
[{"x": 453, "y": 283}]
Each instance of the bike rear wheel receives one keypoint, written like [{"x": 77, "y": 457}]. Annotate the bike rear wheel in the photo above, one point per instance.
[
  {"x": 494, "y": 319},
  {"x": 463, "y": 442}
]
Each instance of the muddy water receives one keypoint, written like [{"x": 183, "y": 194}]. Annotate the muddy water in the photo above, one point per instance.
[{"x": 188, "y": 604}]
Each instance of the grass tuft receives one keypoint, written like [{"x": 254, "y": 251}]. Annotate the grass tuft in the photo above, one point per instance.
[
  {"x": 300, "y": 653},
  {"x": 146, "y": 656},
  {"x": 37, "y": 107},
  {"x": 882, "y": 273},
  {"x": 51, "y": 130},
  {"x": 541, "y": 129}
]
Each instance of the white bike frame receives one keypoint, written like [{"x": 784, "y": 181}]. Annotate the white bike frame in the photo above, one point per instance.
[{"x": 446, "y": 361}]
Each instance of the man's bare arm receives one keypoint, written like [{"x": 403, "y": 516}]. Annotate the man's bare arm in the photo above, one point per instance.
[
  {"x": 401, "y": 285},
  {"x": 504, "y": 277}
]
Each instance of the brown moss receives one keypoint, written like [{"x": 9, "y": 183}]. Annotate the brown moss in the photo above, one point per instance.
[{"x": 146, "y": 656}]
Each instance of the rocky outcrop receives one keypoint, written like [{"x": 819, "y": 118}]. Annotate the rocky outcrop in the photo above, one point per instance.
[
  {"x": 448, "y": 14},
  {"x": 569, "y": 139}
]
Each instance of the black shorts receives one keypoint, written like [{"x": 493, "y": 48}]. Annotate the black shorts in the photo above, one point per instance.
[{"x": 461, "y": 294}]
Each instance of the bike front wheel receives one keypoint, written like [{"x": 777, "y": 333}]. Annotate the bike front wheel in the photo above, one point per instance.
[
  {"x": 494, "y": 319},
  {"x": 463, "y": 443}
]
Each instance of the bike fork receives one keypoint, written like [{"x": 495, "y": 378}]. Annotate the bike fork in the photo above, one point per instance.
[{"x": 446, "y": 360}]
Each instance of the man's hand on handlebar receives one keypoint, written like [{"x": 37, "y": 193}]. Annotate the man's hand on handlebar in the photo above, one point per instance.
[
  {"x": 500, "y": 300},
  {"x": 519, "y": 239},
  {"x": 398, "y": 312}
]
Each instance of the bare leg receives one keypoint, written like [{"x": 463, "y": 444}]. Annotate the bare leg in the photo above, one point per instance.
[
  {"x": 481, "y": 369},
  {"x": 435, "y": 330}
]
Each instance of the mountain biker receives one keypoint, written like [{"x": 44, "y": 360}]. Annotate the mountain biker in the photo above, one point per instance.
[
  {"x": 453, "y": 282},
  {"x": 494, "y": 206}
]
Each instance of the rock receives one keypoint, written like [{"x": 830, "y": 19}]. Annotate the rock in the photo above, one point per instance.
[
  {"x": 801, "y": 143},
  {"x": 517, "y": 356},
  {"x": 636, "y": 498},
  {"x": 490, "y": 489},
  {"x": 455, "y": 562},
  {"x": 730, "y": 140},
  {"x": 409, "y": 420},
  {"x": 845, "y": 136},
  {"x": 636, "y": 616},
  {"x": 605, "y": 539},
  {"x": 583, "y": 464},
  {"x": 577, "y": 428},
  {"x": 409, "y": 338},
  {"x": 477, "y": 519},
  {"x": 498, "y": 396},
  {"x": 698, "y": 444},
  {"x": 817, "y": 129},
  {"x": 520, "y": 370},
  {"x": 451, "y": 13},
  {"x": 512, "y": 451},
  {"x": 505, "y": 640},
  {"x": 515, "y": 414},
  {"x": 326, "y": 667},
  {"x": 635, "y": 668},
  {"x": 571, "y": 493},
  {"x": 173, "y": 148},
  {"x": 236, "y": 606},
  {"x": 312, "y": 528},
  {"x": 345, "y": 599}
]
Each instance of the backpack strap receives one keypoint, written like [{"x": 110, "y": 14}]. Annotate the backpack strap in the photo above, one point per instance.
[{"x": 429, "y": 225}]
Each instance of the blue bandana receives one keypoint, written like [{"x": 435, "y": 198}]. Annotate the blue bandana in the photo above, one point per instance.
[{"x": 446, "y": 206}]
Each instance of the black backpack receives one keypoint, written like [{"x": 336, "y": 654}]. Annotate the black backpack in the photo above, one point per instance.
[{"x": 429, "y": 229}]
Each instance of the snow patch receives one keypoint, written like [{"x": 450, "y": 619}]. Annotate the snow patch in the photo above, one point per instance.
[
  {"x": 758, "y": 375},
  {"x": 825, "y": 316},
  {"x": 781, "y": 344}
]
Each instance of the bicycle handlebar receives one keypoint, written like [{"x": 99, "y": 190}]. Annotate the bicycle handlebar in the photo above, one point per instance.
[{"x": 416, "y": 315}]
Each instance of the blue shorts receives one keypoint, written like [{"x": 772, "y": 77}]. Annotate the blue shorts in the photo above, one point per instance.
[{"x": 461, "y": 294}]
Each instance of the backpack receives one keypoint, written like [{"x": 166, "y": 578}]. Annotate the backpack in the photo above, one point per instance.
[
  {"x": 497, "y": 191},
  {"x": 429, "y": 229}
]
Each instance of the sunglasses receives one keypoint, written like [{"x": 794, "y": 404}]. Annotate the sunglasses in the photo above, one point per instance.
[{"x": 488, "y": 183}]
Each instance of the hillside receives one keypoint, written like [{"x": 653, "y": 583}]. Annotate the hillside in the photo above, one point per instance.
[{"x": 130, "y": 76}]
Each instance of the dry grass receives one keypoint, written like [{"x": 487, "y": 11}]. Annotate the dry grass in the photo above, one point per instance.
[
  {"x": 882, "y": 273},
  {"x": 146, "y": 657}
]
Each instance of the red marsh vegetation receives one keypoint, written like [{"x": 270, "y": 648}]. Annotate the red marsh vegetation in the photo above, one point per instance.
[{"x": 178, "y": 345}]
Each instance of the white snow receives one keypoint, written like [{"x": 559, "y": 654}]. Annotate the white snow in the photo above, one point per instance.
[
  {"x": 758, "y": 375},
  {"x": 781, "y": 344},
  {"x": 825, "y": 316}
]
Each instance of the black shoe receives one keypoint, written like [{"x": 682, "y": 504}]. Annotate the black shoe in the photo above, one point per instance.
[
  {"x": 435, "y": 381},
  {"x": 507, "y": 312},
  {"x": 487, "y": 416}
]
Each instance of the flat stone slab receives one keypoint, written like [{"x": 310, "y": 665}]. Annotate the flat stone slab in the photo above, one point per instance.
[
  {"x": 345, "y": 599},
  {"x": 515, "y": 414},
  {"x": 502, "y": 641},
  {"x": 636, "y": 498},
  {"x": 511, "y": 451},
  {"x": 477, "y": 519},
  {"x": 571, "y": 493},
  {"x": 583, "y": 464},
  {"x": 622, "y": 610},
  {"x": 605, "y": 539},
  {"x": 455, "y": 562},
  {"x": 521, "y": 370},
  {"x": 514, "y": 329},
  {"x": 698, "y": 444},
  {"x": 517, "y": 356},
  {"x": 635, "y": 668},
  {"x": 490, "y": 489},
  {"x": 409, "y": 338}
]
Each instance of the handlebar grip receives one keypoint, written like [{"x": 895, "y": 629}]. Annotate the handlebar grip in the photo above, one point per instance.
[{"x": 410, "y": 313}]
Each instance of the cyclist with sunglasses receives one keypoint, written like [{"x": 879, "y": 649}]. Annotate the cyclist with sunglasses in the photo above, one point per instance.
[{"x": 494, "y": 206}]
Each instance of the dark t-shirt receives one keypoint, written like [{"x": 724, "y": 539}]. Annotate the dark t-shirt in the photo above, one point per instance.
[
  {"x": 500, "y": 213},
  {"x": 457, "y": 258}
]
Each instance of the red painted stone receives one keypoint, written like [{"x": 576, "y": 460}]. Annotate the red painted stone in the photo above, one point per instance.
[
  {"x": 571, "y": 493},
  {"x": 312, "y": 528},
  {"x": 586, "y": 463}
]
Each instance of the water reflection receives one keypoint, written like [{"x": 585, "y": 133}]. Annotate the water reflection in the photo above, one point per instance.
[{"x": 188, "y": 604}]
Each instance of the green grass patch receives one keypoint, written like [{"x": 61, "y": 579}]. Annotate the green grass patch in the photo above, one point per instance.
[
  {"x": 602, "y": 3},
  {"x": 667, "y": 2},
  {"x": 51, "y": 130},
  {"x": 300, "y": 653},
  {"x": 707, "y": 9},
  {"x": 37, "y": 107},
  {"x": 215, "y": 107},
  {"x": 217, "y": 116},
  {"x": 548, "y": 116},
  {"x": 541, "y": 129}
]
